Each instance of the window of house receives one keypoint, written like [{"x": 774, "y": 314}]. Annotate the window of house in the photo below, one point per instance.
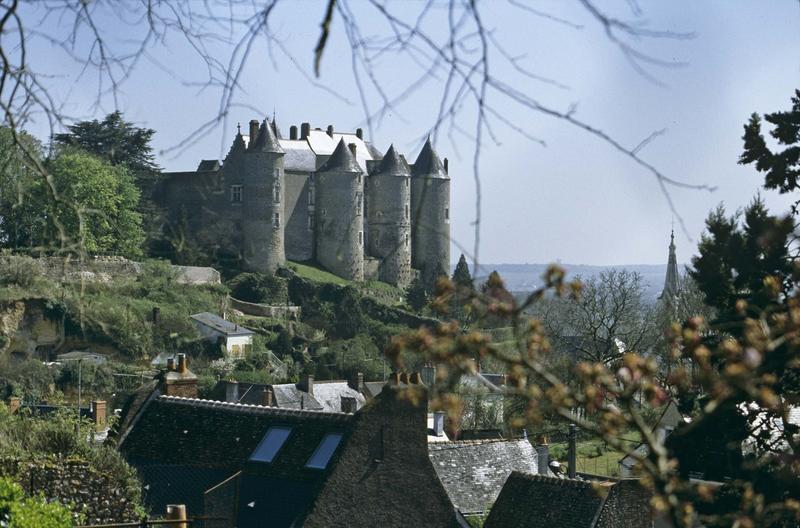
[
  {"x": 270, "y": 444},
  {"x": 276, "y": 220},
  {"x": 325, "y": 450},
  {"x": 236, "y": 193}
]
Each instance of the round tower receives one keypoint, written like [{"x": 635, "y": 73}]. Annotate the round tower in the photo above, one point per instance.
[
  {"x": 389, "y": 218},
  {"x": 430, "y": 214},
  {"x": 262, "y": 203},
  {"x": 339, "y": 189}
]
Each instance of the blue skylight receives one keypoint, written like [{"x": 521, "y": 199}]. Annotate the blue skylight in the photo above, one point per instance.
[
  {"x": 270, "y": 444},
  {"x": 324, "y": 452}
]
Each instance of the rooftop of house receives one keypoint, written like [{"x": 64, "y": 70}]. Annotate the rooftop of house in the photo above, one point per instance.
[
  {"x": 538, "y": 501},
  {"x": 473, "y": 472},
  {"x": 221, "y": 325},
  {"x": 327, "y": 395}
]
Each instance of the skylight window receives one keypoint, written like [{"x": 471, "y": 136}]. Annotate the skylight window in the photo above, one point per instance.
[
  {"x": 270, "y": 444},
  {"x": 324, "y": 452}
]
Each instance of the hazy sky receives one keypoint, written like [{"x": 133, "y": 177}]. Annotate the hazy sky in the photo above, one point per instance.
[{"x": 576, "y": 199}]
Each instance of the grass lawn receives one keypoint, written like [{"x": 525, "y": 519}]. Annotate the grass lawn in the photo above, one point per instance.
[
  {"x": 382, "y": 291},
  {"x": 595, "y": 456},
  {"x": 311, "y": 272}
]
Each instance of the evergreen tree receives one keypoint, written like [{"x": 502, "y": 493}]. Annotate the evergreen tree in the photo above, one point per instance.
[
  {"x": 461, "y": 275},
  {"x": 416, "y": 296}
]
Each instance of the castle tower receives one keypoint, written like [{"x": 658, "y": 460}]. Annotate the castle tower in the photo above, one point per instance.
[
  {"x": 671, "y": 286},
  {"x": 339, "y": 211},
  {"x": 389, "y": 218},
  {"x": 262, "y": 203},
  {"x": 430, "y": 214}
]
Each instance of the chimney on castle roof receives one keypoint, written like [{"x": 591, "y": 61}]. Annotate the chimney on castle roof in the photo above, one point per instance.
[
  {"x": 446, "y": 166},
  {"x": 253, "y": 129},
  {"x": 359, "y": 133},
  {"x": 330, "y": 130},
  {"x": 292, "y": 132},
  {"x": 305, "y": 130},
  {"x": 352, "y": 147}
]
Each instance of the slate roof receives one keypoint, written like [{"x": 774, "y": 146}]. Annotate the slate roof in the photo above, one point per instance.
[
  {"x": 327, "y": 395},
  {"x": 221, "y": 325},
  {"x": 324, "y": 145},
  {"x": 373, "y": 388},
  {"x": 393, "y": 164},
  {"x": 342, "y": 160},
  {"x": 428, "y": 164},
  {"x": 474, "y": 472},
  {"x": 266, "y": 140},
  {"x": 298, "y": 155},
  {"x": 208, "y": 166}
]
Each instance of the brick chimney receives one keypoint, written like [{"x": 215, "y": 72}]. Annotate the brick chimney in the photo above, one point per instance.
[
  {"x": 232, "y": 391},
  {"x": 99, "y": 414},
  {"x": 253, "y": 129},
  {"x": 438, "y": 422},
  {"x": 180, "y": 381},
  {"x": 305, "y": 130},
  {"x": 404, "y": 378},
  {"x": 14, "y": 403},
  {"x": 293, "y": 132},
  {"x": 266, "y": 397},
  {"x": 415, "y": 378},
  {"x": 307, "y": 384},
  {"x": 542, "y": 454},
  {"x": 348, "y": 404},
  {"x": 356, "y": 382},
  {"x": 359, "y": 133},
  {"x": 330, "y": 130}
]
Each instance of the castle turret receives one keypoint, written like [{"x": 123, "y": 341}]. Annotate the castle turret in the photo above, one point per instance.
[
  {"x": 430, "y": 214},
  {"x": 389, "y": 218},
  {"x": 339, "y": 187},
  {"x": 262, "y": 203}
]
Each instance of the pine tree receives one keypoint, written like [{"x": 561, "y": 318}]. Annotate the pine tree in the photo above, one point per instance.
[{"x": 461, "y": 275}]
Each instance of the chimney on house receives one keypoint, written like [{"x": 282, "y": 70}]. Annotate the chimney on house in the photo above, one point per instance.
[
  {"x": 293, "y": 132},
  {"x": 438, "y": 422},
  {"x": 352, "y": 147},
  {"x": 253, "y": 130},
  {"x": 571, "y": 462},
  {"x": 446, "y": 166},
  {"x": 266, "y": 397},
  {"x": 357, "y": 382},
  {"x": 177, "y": 512},
  {"x": 99, "y": 414},
  {"x": 156, "y": 314},
  {"x": 308, "y": 384},
  {"x": 415, "y": 378},
  {"x": 179, "y": 381},
  {"x": 348, "y": 404},
  {"x": 542, "y": 454},
  {"x": 330, "y": 130},
  {"x": 305, "y": 130},
  {"x": 14, "y": 403},
  {"x": 232, "y": 391},
  {"x": 359, "y": 133}
]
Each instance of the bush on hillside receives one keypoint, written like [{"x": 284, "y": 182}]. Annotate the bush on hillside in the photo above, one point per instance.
[
  {"x": 260, "y": 288},
  {"x": 21, "y": 271}
]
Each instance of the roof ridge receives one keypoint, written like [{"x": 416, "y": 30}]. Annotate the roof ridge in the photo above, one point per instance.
[
  {"x": 261, "y": 409},
  {"x": 460, "y": 443},
  {"x": 548, "y": 479}
]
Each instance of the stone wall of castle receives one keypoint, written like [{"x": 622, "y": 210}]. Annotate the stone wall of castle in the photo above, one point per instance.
[
  {"x": 339, "y": 223},
  {"x": 430, "y": 230},
  {"x": 262, "y": 212},
  {"x": 298, "y": 236}
]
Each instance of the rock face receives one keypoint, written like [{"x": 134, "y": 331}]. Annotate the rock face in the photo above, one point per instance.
[
  {"x": 100, "y": 498},
  {"x": 28, "y": 328}
]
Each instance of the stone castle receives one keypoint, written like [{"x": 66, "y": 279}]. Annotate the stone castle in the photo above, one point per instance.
[{"x": 320, "y": 196}]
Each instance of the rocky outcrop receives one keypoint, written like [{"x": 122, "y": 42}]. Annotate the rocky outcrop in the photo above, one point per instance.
[{"x": 27, "y": 326}]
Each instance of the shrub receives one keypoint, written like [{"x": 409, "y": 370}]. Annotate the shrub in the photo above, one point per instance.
[
  {"x": 21, "y": 271},
  {"x": 260, "y": 288},
  {"x": 18, "y": 511}
]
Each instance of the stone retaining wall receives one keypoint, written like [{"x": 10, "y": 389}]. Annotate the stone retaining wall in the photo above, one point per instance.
[{"x": 266, "y": 310}]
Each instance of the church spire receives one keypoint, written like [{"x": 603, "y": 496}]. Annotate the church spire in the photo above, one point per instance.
[{"x": 671, "y": 281}]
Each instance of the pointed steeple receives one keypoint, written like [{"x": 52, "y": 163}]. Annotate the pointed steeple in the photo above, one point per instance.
[
  {"x": 275, "y": 129},
  {"x": 266, "y": 140},
  {"x": 393, "y": 163},
  {"x": 238, "y": 143},
  {"x": 671, "y": 285},
  {"x": 428, "y": 164},
  {"x": 342, "y": 160}
]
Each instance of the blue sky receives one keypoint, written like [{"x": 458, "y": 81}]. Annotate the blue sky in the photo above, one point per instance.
[{"x": 576, "y": 199}]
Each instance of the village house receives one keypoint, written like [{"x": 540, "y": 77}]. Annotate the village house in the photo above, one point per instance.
[{"x": 237, "y": 340}]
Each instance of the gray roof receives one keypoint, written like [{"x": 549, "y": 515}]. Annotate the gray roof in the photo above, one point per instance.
[
  {"x": 221, "y": 325},
  {"x": 329, "y": 394},
  {"x": 428, "y": 164},
  {"x": 266, "y": 140},
  {"x": 298, "y": 155},
  {"x": 324, "y": 145},
  {"x": 394, "y": 164},
  {"x": 474, "y": 472},
  {"x": 289, "y": 396},
  {"x": 208, "y": 166},
  {"x": 76, "y": 355},
  {"x": 342, "y": 160}
]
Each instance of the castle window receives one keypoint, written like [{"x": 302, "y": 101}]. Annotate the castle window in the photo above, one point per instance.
[
  {"x": 276, "y": 220},
  {"x": 276, "y": 192},
  {"x": 447, "y": 213},
  {"x": 277, "y": 173},
  {"x": 311, "y": 222},
  {"x": 324, "y": 212},
  {"x": 360, "y": 238},
  {"x": 408, "y": 182},
  {"x": 311, "y": 193},
  {"x": 406, "y": 240},
  {"x": 406, "y": 212},
  {"x": 236, "y": 193},
  {"x": 359, "y": 202}
]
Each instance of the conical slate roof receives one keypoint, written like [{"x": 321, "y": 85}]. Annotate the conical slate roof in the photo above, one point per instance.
[
  {"x": 428, "y": 164},
  {"x": 275, "y": 129},
  {"x": 671, "y": 286},
  {"x": 393, "y": 163},
  {"x": 342, "y": 160},
  {"x": 266, "y": 140}
]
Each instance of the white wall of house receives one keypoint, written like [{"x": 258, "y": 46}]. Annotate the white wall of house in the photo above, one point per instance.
[{"x": 235, "y": 346}]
